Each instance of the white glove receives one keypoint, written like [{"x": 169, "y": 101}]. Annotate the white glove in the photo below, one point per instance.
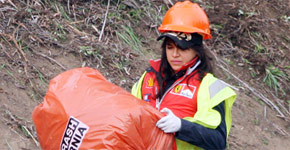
[{"x": 170, "y": 123}]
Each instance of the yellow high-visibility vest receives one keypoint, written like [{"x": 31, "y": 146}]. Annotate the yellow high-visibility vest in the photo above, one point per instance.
[
  {"x": 212, "y": 92},
  {"x": 137, "y": 87}
]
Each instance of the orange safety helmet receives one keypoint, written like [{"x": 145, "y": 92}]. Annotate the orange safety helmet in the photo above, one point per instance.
[{"x": 186, "y": 17}]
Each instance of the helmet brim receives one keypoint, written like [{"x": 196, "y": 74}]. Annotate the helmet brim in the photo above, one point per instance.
[
  {"x": 178, "y": 28},
  {"x": 183, "y": 42}
]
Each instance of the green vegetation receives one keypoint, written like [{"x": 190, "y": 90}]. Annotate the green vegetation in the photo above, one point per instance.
[
  {"x": 228, "y": 146},
  {"x": 58, "y": 8},
  {"x": 265, "y": 141},
  {"x": 285, "y": 18},
  {"x": 136, "y": 14},
  {"x": 246, "y": 61},
  {"x": 256, "y": 122},
  {"x": 217, "y": 26},
  {"x": 253, "y": 72},
  {"x": 228, "y": 61},
  {"x": 3, "y": 66},
  {"x": 246, "y": 14},
  {"x": 273, "y": 75},
  {"x": 259, "y": 48},
  {"x": 41, "y": 77},
  {"x": 130, "y": 38},
  {"x": 86, "y": 50},
  {"x": 25, "y": 131},
  {"x": 59, "y": 33},
  {"x": 23, "y": 46}
]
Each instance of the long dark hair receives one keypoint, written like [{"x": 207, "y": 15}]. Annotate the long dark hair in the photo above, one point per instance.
[{"x": 165, "y": 70}]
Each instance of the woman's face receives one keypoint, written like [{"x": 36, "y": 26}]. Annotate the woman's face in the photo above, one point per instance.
[{"x": 177, "y": 57}]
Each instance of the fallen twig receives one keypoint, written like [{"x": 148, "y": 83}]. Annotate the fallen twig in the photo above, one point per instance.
[
  {"x": 170, "y": 2},
  {"x": 35, "y": 141},
  {"x": 103, "y": 27},
  {"x": 279, "y": 103},
  {"x": 265, "y": 112},
  {"x": 11, "y": 3},
  {"x": 31, "y": 33},
  {"x": 17, "y": 121},
  {"x": 6, "y": 9},
  {"x": 68, "y": 7},
  {"x": 51, "y": 59},
  {"x": 95, "y": 28},
  {"x": 7, "y": 54},
  {"x": 285, "y": 118},
  {"x": 282, "y": 131},
  {"x": 78, "y": 32},
  {"x": 8, "y": 145},
  {"x": 19, "y": 49}
]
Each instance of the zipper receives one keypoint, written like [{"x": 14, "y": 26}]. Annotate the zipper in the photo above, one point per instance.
[{"x": 190, "y": 70}]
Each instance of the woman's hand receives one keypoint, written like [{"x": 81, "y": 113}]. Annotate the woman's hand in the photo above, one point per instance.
[{"x": 170, "y": 123}]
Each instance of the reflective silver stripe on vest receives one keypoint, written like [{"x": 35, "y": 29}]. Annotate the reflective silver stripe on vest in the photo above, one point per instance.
[{"x": 216, "y": 87}]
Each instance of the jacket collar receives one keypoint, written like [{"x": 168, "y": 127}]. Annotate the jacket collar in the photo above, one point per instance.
[{"x": 155, "y": 64}]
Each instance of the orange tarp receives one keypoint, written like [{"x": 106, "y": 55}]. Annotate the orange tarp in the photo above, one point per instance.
[{"x": 82, "y": 110}]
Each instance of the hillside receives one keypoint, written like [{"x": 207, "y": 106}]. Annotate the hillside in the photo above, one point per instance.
[{"x": 250, "y": 49}]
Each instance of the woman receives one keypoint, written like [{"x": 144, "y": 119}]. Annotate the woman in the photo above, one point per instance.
[{"x": 197, "y": 105}]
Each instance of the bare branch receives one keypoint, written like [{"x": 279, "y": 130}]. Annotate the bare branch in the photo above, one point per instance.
[
  {"x": 103, "y": 27},
  {"x": 51, "y": 59}
]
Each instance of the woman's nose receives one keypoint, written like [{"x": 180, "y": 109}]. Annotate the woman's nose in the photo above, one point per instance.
[{"x": 175, "y": 52}]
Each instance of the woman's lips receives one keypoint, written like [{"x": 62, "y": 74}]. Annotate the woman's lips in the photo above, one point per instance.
[{"x": 176, "y": 62}]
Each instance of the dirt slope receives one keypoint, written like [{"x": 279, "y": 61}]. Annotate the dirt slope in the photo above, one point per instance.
[{"x": 40, "y": 39}]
